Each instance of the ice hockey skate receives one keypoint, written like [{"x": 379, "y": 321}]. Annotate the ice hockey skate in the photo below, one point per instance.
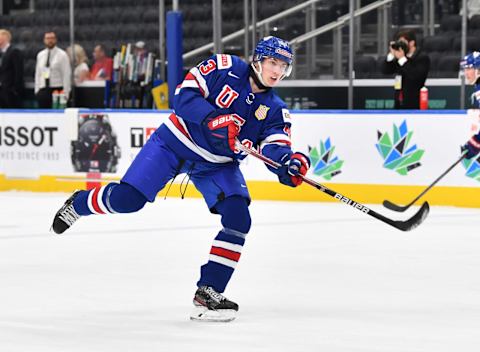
[
  {"x": 211, "y": 306},
  {"x": 65, "y": 216}
]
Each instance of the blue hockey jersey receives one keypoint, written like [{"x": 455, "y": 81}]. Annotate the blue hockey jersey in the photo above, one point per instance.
[
  {"x": 221, "y": 83},
  {"x": 476, "y": 96}
]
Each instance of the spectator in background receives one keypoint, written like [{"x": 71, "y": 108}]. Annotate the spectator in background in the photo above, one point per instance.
[
  {"x": 140, "y": 48},
  {"x": 52, "y": 71},
  {"x": 11, "y": 73},
  {"x": 103, "y": 65},
  {"x": 81, "y": 71},
  {"x": 411, "y": 67}
]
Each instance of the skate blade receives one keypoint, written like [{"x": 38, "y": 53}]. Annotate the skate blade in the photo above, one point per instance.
[{"x": 201, "y": 313}]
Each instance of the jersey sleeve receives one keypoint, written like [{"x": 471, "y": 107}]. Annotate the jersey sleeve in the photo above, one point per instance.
[
  {"x": 275, "y": 140},
  {"x": 476, "y": 97},
  {"x": 190, "y": 101}
]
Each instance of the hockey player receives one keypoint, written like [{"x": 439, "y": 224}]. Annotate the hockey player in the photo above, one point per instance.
[
  {"x": 221, "y": 100},
  {"x": 471, "y": 66}
]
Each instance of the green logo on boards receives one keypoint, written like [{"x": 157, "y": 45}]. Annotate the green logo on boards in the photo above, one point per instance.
[
  {"x": 396, "y": 153},
  {"x": 324, "y": 163},
  {"x": 473, "y": 168}
]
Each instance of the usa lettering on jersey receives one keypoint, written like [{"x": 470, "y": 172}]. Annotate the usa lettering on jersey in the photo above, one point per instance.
[{"x": 226, "y": 97}]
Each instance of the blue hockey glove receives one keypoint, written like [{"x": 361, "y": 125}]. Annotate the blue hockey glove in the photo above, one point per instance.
[
  {"x": 222, "y": 131},
  {"x": 289, "y": 174},
  {"x": 472, "y": 146}
]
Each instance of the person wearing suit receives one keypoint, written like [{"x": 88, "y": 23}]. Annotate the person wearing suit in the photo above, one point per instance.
[{"x": 11, "y": 73}]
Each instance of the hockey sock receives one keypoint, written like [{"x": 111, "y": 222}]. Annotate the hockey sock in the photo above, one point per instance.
[
  {"x": 112, "y": 198},
  {"x": 224, "y": 255},
  {"x": 227, "y": 245}
]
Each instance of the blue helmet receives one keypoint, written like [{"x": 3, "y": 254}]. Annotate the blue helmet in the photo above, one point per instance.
[
  {"x": 273, "y": 47},
  {"x": 471, "y": 60}
]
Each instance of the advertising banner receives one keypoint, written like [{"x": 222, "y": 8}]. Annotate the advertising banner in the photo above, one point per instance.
[
  {"x": 32, "y": 144},
  {"x": 379, "y": 148},
  {"x": 363, "y": 148}
]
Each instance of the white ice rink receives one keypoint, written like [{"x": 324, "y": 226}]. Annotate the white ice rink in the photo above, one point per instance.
[{"x": 312, "y": 277}]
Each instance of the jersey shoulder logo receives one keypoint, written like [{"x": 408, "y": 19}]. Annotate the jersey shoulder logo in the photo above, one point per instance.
[
  {"x": 261, "y": 112},
  {"x": 224, "y": 61},
  {"x": 286, "y": 116}
]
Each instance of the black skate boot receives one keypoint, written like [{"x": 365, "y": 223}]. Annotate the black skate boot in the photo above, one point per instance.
[
  {"x": 66, "y": 216},
  {"x": 212, "y": 306}
]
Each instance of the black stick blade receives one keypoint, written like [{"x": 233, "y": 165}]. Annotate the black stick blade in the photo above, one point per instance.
[
  {"x": 415, "y": 220},
  {"x": 389, "y": 205}
]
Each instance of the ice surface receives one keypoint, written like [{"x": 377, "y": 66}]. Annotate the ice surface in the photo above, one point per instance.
[{"x": 313, "y": 277}]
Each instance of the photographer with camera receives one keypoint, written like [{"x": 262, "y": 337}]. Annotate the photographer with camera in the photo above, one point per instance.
[{"x": 411, "y": 67}]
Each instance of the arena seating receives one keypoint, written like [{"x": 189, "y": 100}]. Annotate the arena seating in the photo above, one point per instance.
[
  {"x": 444, "y": 48},
  {"x": 114, "y": 22}
]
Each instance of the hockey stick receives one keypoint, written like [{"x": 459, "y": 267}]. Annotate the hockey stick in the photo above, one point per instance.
[
  {"x": 406, "y": 225},
  {"x": 400, "y": 208}
]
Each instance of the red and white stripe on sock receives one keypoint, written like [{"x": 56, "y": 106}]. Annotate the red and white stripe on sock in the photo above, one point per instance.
[
  {"x": 225, "y": 253},
  {"x": 95, "y": 201}
]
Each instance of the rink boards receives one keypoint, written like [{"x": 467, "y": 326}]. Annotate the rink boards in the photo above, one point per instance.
[{"x": 368, "y": 156}]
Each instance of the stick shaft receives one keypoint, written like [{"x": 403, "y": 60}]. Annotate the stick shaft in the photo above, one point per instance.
[
  {"x": 407, "y": 225},
  {"x": 436, "y": 181}
]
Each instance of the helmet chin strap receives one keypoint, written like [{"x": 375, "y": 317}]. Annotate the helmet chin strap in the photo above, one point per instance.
[{"x": 256, "y": 74}]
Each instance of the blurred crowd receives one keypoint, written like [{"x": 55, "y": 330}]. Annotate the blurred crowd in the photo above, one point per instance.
[{"x": 53, "y": 69}]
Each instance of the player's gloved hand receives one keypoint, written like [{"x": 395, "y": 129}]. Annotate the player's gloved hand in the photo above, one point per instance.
[
  {"x": 222, "y": 131},
  {"x": 289, "y": 174},
  {"x": 472, "y": 147}
]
